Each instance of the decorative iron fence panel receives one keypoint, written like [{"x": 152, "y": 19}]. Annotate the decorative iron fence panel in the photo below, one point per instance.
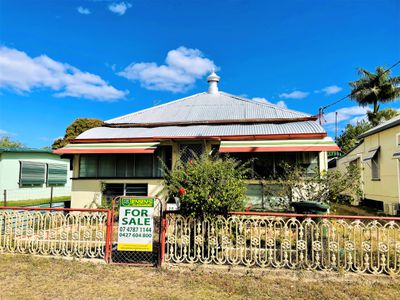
[
  {"x": 60, "y": 232},
  {"x": 293, "y": 242}
]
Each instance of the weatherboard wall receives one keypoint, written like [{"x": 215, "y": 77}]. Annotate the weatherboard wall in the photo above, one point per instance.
[
  {"x": 10, "y": 173},
  {"x": 386, "y": 189}
]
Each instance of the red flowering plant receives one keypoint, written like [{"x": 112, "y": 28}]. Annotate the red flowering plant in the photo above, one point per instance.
[{"x": 208, "y": 185}]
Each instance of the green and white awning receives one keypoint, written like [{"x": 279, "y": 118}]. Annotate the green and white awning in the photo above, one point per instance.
[
  {"x": 326, "y": 144},
  {"x": 105, "y": 148}
]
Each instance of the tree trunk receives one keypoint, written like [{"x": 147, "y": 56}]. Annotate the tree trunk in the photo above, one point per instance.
[{"x": 374, "y": 120}]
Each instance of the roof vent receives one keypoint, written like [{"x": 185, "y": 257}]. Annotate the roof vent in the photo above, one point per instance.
[{"x": 213, "y": 80}]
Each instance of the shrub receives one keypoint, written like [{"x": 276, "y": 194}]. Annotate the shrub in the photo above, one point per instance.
[
  {"x": 208, "y": 185},
  {"x": 329, "y": 186}
]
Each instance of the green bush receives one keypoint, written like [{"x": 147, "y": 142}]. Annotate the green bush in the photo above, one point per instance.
[
  {"x": 208, "y": 185},
  {"x": 332, "y": 186}
]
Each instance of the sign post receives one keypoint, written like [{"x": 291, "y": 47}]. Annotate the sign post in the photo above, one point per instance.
[{"x": 136, "y": 226}]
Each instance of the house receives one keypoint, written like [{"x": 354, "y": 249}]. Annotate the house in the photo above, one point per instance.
[
  {"x": 122, "y": 157},
  {"x": 29, "y": 174},
  {"x": 378, "y": 154}
]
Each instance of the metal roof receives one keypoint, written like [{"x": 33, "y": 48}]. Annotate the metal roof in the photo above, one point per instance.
[
  {"x": 303, "y": 127},
  {"x": 208, "y": 107},
  {"x": 28, "y": 150},
  {"x": 385, "y": 125}
]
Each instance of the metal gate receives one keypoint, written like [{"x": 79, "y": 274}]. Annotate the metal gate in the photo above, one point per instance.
[{"x": 150, "y": 258}]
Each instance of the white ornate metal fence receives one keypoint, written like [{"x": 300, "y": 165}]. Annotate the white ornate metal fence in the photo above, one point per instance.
[
  {"x": 60, "y": 232},
  {"x": 334, "y": 243}
]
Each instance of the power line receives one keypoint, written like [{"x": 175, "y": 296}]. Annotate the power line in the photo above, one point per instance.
[{"x": 321, "y": 109}]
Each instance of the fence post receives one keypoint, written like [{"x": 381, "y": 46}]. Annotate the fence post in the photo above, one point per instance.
[
  {"x": 51, "y": 197},
  {"x": 164, "y": 225},
  {"x": 5, "y": 197}
]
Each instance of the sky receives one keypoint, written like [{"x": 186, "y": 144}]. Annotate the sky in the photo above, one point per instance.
[{"x": 65, "y": 59}]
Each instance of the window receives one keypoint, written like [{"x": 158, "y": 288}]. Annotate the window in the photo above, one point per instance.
[
  {"x": 375, "y": 167},
  {"x": 125, "y": 165},
  {"x": 189, "y": 151},
  {"x": 88, "y": 166},
  {"x": 56, "y": 174},
  {"x": 270, "y": 165},
  {"x": 138, "y": 189},
  {"x": 32, "y": 173},
  {"x": 372, "y": 156},
  {"x": 113, "y": 190}
]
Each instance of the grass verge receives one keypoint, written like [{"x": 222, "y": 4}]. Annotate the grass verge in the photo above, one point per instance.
[
  {"x": 29, "y": 277},
  {"x": 34, "y": 202}
]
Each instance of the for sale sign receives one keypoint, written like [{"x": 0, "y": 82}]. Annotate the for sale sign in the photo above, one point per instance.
[{"x": 135, "y": 227}]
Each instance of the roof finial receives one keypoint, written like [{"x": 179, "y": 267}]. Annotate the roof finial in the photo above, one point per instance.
[{"x": 213, "y": 80}]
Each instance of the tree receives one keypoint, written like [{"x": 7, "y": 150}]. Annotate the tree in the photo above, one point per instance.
[
  {"x": 208, "y": 186},
  {"x": 373, "y": 88},
  {"x": 386, "y": 114},
  {"x": 348, "y": 138},
  {"x": 76, "y": 128},
  {"x": 329, "y": 186},
  {"x": 6, "y": 142}
]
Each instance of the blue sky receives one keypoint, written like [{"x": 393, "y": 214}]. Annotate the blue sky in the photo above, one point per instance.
[{"x": 61, "y": 60}]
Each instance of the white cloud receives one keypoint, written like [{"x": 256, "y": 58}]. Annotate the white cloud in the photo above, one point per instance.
[
  {"x": 119, "y": 8},
  {"x": 183, "y": 66},
  {"x": 83, "y": 10},
  {"x": 352, "y": 113},
  {"x": 294, "y": 95},
  {"x": 263, "y": 100},
  {"x": 22, "y": 73},
  {"x": 3, "y": 133},
  {"x": 330, "y": 90}
]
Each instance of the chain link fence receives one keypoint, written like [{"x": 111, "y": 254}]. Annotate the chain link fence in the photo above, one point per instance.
[{"x": 152, "y": 257}]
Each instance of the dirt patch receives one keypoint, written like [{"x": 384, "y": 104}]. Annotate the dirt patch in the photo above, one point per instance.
[{"x": 24, "y": 277}]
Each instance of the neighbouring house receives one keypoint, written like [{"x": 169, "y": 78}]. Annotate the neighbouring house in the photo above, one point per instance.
[
  {"x": 378, "y": 154},
  {"x": 30, "y": 174},
  {"x": 125, "y": 156}
]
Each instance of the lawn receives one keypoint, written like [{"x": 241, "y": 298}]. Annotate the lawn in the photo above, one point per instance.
[
  {"x": 24, "y": 277},
  {"x": 34, "y": 202}
]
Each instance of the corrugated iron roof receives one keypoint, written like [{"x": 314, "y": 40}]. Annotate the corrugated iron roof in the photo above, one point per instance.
[
  {"x": 385, "y": 125},
  {"x": 27, "y": 150},
  {"x": 203, "y": 130},
  {"x": 208, "y": 107}
]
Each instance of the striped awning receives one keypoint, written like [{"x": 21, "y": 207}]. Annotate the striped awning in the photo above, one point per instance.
[
  {"x": 108, "y": 148},
  {"x": 396, "y": 155},
  {"x": 326, "y": 144}
]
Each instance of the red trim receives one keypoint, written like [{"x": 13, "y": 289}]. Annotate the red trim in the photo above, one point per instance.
[
  {"x": 270, "y": 214},
  {"x": 108, "y": 236},
  {"x": 279, "y": 149},
  {"x": 219, "y": 138},
  {"x": 79, "y": 151},
  {"x": 54, "y": 209},
  {"x": 164, "y": 226}
]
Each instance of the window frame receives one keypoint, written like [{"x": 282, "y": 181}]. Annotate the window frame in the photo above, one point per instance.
[
  {"x": 153, "y": 166},
  {"x": 21, "y": 175},
  {"x": 375, "y": 167},
  {"x": 47, "y": 174}
]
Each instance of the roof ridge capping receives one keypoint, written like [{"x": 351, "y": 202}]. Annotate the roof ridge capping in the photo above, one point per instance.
[
  {"x": 266, "y": 104},
  {"x": 385, "y": 125}
]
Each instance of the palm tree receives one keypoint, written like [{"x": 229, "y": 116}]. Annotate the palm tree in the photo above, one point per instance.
[{"x": 373, "y": 88}]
